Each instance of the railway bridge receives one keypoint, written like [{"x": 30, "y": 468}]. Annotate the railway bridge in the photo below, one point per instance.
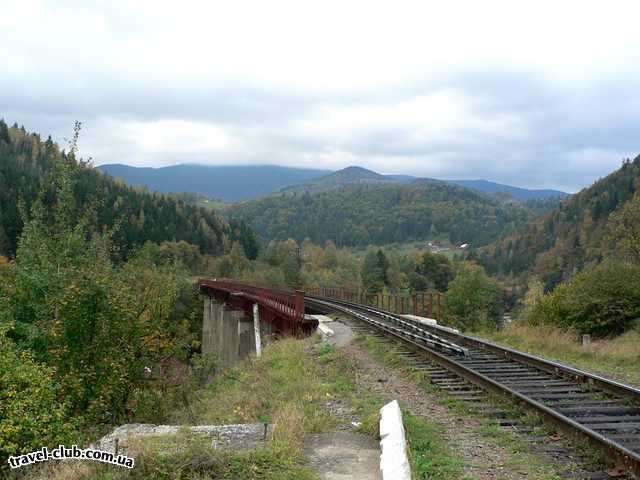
[{"x": 593, "y": 409}]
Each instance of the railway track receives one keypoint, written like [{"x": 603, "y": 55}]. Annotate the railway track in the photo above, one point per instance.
[{"x": 582, "y": 405}]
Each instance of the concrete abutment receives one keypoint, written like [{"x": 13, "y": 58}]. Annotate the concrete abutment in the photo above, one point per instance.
[{"x": 227, "y": 331}]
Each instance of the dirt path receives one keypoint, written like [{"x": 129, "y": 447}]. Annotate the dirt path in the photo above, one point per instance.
[{"x": 482, "y": 460}]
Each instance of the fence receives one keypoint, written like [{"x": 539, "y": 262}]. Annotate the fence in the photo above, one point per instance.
[{"x": 424, "y": 304}]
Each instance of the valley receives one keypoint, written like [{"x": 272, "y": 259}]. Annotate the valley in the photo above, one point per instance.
[{"x": 564, "y": 265}]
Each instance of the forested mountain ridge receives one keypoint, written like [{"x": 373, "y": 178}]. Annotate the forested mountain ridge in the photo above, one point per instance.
[
  {"x": 359, "y": 175},
  {"x": 237, "y": 183},
  {"x": 227, "y": 182},
  {"x": 518, "y": 193},
  {"x": 573, "y": 235},
  {"x": 347, "y": 176},
  {"x": 26, "y": 162},
  {"x": 358, "y": 215}
]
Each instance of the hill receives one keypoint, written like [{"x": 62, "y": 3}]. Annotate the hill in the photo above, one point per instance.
[
  {"x": 26, "y": 162},
  {"x": 341, "y": 178},
  {"x": 359, "y": 175},
  {"x": 228, "y": 183},
  {"x": 362, "y": 214},
  {"x": 520, "y": 194},
  {"x": 573, "y": 235}
]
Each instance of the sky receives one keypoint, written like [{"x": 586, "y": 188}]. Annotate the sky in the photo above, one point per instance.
[{"x": 535, "y": 94}]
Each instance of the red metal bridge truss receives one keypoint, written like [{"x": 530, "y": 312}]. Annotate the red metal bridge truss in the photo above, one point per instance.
[{"x": 283, "y": 310}]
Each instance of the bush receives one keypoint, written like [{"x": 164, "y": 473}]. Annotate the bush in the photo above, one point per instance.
[
  {"x": 603, "y": 300},
  {"x": 31, "y": 414}
]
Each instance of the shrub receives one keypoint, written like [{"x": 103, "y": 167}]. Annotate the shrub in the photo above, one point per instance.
[
  {"x": 602, "y": 300},
  {"x": 31, "y": 414}
]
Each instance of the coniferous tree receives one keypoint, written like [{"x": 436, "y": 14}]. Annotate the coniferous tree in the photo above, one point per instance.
[{"x": 374, "y": 271}]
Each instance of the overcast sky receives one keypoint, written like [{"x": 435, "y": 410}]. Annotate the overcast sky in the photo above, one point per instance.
[{"x": 537, "y": 94}]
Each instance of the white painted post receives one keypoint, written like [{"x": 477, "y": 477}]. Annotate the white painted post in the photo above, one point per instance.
[
  {"x": 256, "y": 327},
  {"x": 394, "y": 463}
]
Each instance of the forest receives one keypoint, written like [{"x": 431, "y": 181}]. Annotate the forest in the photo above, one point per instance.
[
  {"x": 133, "y": 215},
  {"x": 360, "y": 215},
  {"x": 572, "y": 236}
]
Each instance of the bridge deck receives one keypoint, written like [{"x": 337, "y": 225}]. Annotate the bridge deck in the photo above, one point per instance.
[{"x": 283, "y": 309}]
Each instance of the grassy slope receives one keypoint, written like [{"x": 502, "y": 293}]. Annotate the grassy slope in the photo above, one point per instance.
[
  {"x": 618, "y": 359},
  {"x": 289, "y": 388}
]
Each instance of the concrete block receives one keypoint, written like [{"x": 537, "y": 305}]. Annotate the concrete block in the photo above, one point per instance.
[
  {"x": 326, "y": 331},
  {"x": 423, "y": 320},
  {"x": 431, "y": 322},
  {"x": 321, "y": 318},
  {"x": 239, "y": 437},
  {"x": 394, "y": 463}
]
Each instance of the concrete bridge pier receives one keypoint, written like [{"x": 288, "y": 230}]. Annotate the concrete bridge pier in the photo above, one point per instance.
[
  {"x": 246, "y": 337},
  {"x": 211, "y": 321},
  {"x": 227, "y": 332}
]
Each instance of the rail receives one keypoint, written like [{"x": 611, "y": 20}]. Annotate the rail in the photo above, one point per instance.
[{"x": 605, "y": 412}]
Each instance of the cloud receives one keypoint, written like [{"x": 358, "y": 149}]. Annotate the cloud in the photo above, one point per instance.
[{"x": 539, "y": 95}]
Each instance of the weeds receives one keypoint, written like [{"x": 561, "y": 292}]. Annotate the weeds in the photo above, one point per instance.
[
  {"x": 618, "y": 358},
  {"x": 429, "y": 455}
]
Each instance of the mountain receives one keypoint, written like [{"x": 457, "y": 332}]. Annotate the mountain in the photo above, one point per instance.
[
  {"x": 26, "y": 162},
  {"x": 573, "y": 235},
  {"x": 228, "y": 183},
  {"x": 521, "y": 194},
  {"x": 359, "y": 175},
  {"x": 237, "y": 183},
  {"x": 361, "y": 213},
  {"x": 341, "y": 178}
]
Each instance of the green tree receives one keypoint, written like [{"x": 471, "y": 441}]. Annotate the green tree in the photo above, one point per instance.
[
  {"x": 65, "y": 301},
  {"x": 474, "y": 300},
  {"x": 624, "y": 231},
  {"x": 437, "y": 269},
  {"x": 383, "y": 264},
  {"x": 533, "y": 296},
  {"x": 330, "y": 255},
  {"x": 602, "y": 300},
  {"x": 4, "y": 242},
  {"x": 395, "y": 279},
  {"x": 291, "y": 270},
  {"x": 417, "y": 282},
  {"x": 31, "y": 412},
  {"x": 374, "y": 270}
]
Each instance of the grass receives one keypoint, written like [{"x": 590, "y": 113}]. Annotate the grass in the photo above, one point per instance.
[
  {"x": 429, "y": 454},
  {"x": 618, "y": 358},
  {"x": 284, "y": 379},
  {"x": 191, "y": 457}
]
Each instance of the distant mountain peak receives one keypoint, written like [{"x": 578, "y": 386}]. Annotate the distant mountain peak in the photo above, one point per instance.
[
  {"x": 357, "y": 169},
  {"x": 354, "y": 172}
]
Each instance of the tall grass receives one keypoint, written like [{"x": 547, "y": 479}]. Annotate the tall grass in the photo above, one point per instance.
[
  {"x": 617, "y": 358},
  {"x": 268, "y": 389}
]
